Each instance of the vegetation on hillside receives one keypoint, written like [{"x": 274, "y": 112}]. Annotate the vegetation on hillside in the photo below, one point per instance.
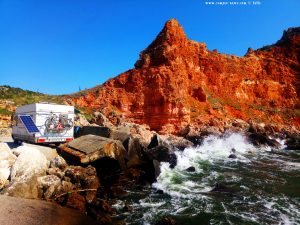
[
  {"x": 11, "y": 97},
  {"x": 22, "y": 97}
]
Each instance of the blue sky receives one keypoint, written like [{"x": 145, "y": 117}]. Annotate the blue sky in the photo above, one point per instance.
[{"x": 57, "y": 47}]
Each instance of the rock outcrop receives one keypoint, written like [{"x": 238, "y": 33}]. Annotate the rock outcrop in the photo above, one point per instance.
[
  {"x": 29, "y": 165},
  {"x": 177, "y": 82},
  {"x": 89, "y": 148},
  {"x": 7, "y": 160},
  {"x": 32, "y": 211}
]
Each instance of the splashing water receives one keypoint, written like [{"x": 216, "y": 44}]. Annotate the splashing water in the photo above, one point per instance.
[
  {"x": 264, "y": 186},
  {"x": 213, "y": 151}
]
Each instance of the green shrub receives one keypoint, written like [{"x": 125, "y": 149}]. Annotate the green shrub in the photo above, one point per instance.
[
  {"x": 5, "y": 112},
  {"x": 23, "y": 97}
]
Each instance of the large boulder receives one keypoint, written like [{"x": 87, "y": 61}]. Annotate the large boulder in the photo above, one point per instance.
[
  {"x": 163, "y": 154},
  {"x": 176, "y": 142},
  {"x": 120, "y": 133},
  {"x": 49, "y": 185},
  {"x": 162, "y": 148},
  {"x": 135, "y": 152},
  {"x": 140, "y": 164},
  {"x": 159, "y": 151},
  {"x": 126, "y": 130},
  {"x": 49, "y": 153},
  {"x": 7, "y": 159},
  {"x": 32, "y": 211},
  {"x": 89, "y": 148},
  {"x": 30, "y": 165}
]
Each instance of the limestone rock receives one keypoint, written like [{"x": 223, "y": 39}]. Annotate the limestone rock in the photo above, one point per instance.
[
  {"x": 29, "y": 165},
  {"x": 55, "y": 171},
  {"x": 46, "y": 181},
  {"x": 49, "y": 185},
  {"x": 7, "y": 159},
  {"x": 58, "y": 162}
]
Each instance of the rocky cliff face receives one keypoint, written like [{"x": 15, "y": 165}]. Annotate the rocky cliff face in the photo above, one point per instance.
[{"x": 178, "y": 82}]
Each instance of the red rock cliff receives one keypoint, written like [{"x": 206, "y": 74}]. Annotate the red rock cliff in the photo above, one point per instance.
[{"x": 177, "y": 82}]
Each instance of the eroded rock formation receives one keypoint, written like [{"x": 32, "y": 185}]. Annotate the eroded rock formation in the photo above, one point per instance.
[{"x": 179, "y": 82}]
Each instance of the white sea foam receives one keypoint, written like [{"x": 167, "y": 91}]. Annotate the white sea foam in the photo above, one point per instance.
[
  {"x": 152, "y": 205},
  {"x": 118, "y": 205},
  {"x": 212, "y": 164},
  {"x": 213, "y": 149},
  {"x": 282, "y": 142},
  {"x": 292, "y": 165},
  {"x": 286, "y": 220},
  {"x": 269, "y": 205}
]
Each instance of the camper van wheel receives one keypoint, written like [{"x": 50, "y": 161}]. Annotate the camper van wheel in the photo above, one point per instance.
[{"x": 16, "y": 141}]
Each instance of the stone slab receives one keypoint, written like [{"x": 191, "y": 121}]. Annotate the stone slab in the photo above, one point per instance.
[{"x": 88, "y": 143}]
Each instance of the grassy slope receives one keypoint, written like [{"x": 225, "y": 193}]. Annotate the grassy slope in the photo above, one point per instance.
[{"x": 11, "y": 97}]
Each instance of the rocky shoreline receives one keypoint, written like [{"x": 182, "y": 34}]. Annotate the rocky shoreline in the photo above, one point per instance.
[{"x": 128, "y": 156}]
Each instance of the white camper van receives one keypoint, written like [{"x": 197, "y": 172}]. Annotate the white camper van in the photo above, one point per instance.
[{"x": 43, "y": 123}]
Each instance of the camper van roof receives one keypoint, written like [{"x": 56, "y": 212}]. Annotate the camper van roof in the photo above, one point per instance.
[
  {"x": 51, "y": 103},
  {"x": 45, "y": 107}
]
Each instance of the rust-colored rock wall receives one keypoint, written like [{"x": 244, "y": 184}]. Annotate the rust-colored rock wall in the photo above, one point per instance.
[{"x": 177, "y": 82}]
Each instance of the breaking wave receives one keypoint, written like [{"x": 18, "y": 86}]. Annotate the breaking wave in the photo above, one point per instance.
[{"x": 261, "y": 185}]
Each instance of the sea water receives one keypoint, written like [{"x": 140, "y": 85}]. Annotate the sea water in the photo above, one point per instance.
[{"x": 264, "y": 184}]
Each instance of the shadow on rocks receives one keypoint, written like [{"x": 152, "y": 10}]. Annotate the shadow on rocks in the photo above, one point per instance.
[{"x": 166, "y": 221}]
